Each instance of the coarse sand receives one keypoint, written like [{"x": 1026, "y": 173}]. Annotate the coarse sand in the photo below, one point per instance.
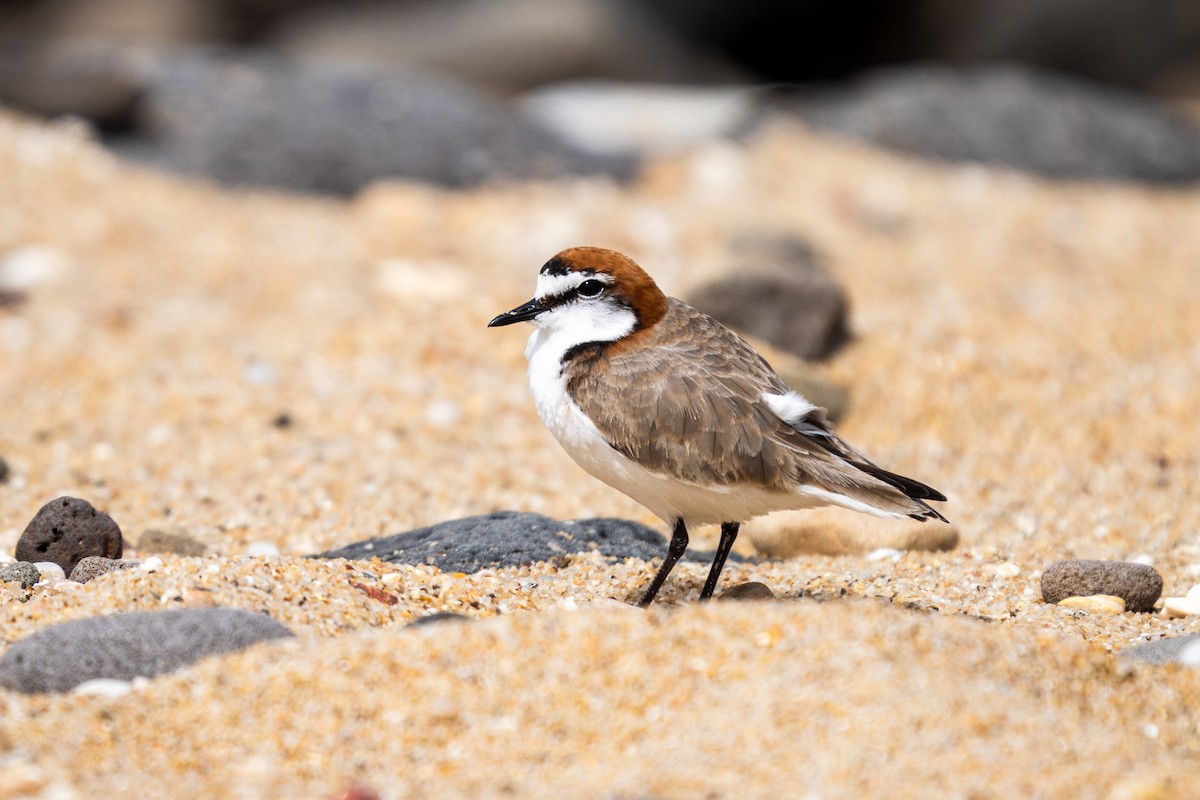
[{"x": 1030, "y": 348}]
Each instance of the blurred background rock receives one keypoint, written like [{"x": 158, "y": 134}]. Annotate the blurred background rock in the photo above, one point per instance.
[{"x": 314, "y": 95}]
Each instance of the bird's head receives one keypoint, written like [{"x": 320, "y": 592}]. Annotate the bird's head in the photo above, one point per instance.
[{"x": 592, "y": 295}]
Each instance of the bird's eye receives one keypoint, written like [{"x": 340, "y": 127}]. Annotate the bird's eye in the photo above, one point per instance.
[{"x": 591, "y": 288}]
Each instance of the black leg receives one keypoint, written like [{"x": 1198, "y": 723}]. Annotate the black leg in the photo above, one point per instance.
[
  {"x": 729, "y": 532},
  {"x": 679, "y": 542}
]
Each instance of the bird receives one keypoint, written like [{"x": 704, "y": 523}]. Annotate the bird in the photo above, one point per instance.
[{"x": 675, "y": 410}]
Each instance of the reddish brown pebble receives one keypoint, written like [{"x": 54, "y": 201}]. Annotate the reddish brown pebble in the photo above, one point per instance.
[{"x": 376, "y": 594}]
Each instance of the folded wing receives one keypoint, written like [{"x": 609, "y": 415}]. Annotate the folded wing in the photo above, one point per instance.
[{"x": 710, "y": 422}]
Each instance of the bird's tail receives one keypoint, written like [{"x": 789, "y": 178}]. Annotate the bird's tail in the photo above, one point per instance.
[
  {"x": 815, "y": 428},
  {"x": 913, "y": 490}
]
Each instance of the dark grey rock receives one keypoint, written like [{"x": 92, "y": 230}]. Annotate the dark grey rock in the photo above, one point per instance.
[
  {"x": 176, "y": 541},
  {"x": 1137, "y": 584},
  {"x": 1160, "y": 651},
  {"x": 441, "y": 616},
  {"x": 510, "y": 538},
  {"x": 66, "y": 530},
  {"x": 4, "y": 471},
  {"x": 20, "y": 571},
  {"x": 511, "y": 44},
  {"x": 1119, "y": 41},
  {"x": 125, "y": 646},
  {"x": 752, "y": 590},
  {"x": 1030, "y": 120},
  {"x": 248, "y": 118},
  {"x": 88, "y": 78},
  {"x": 778, "y": 292},
  {"x": 95, "y": 566}
]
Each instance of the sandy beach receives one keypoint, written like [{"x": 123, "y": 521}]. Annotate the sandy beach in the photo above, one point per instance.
[{"x": 1029, "y": 347}]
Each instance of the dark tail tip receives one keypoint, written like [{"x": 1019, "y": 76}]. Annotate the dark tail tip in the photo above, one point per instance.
[{"x": 929, "y": 513}]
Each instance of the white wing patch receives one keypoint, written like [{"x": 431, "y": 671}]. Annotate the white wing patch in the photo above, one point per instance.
[{"x": 790, "y": 407}]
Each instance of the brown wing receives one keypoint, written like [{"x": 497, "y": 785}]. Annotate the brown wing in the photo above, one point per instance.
[{"x": 689, "y": 405}]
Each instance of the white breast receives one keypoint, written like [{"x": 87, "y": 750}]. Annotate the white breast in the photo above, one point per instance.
[{"x": 667, "y": 497}]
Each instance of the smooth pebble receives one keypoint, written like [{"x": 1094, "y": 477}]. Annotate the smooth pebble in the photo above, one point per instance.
[
  {"x": 751, "y": 590},
  {"x": 1176, "y": 607},
  {"x": 21, "y": 572},
  {"x": 95, "y": 566},
  {"x": 1139, "y": 585},
  {"x": 127, "y": 645},
  {"x": 104, "y": 687},
  {"x": 1007, "y": 570},
  {"x": 50, "y": 571},
  {"x": 1100, "y": 603}
]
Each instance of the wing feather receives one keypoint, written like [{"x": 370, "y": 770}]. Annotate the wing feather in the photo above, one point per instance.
[{"x": 687, "y": 402}]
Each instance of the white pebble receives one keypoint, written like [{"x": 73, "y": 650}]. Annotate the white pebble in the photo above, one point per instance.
[
  {"x": 442, "y": 413},
  {"x": 1175, "y": 607},
  {"x": 103, "y": 687},
  {"x": 1007, "y": 570},
  {"x": 31, "y": 266},
  {"x": 259, "y": 373},
  {"x": 1145, "y": 559},
  {"x": 885, "y": 553},
  {"x": 1190, "y": 654},
  {"x": 151, "y": 564},
  {"x": 50, "y": 572},
  {"x": 613, "y": 119},
  {"x": 67, "y": 586},
  {"x": 262, "y": 549},
  {"x": 392, "y": 578}
]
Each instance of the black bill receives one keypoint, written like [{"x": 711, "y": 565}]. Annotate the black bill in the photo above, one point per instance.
[{"x": 521, "y": 313}]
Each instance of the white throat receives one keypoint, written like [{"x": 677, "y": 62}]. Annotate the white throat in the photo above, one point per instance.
[
  {"x": 572, "y": 324},
  {"x": 558, "y": 330}
]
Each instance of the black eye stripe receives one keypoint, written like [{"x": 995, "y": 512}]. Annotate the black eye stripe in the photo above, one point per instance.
[{"x": 576, "y": 293}]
